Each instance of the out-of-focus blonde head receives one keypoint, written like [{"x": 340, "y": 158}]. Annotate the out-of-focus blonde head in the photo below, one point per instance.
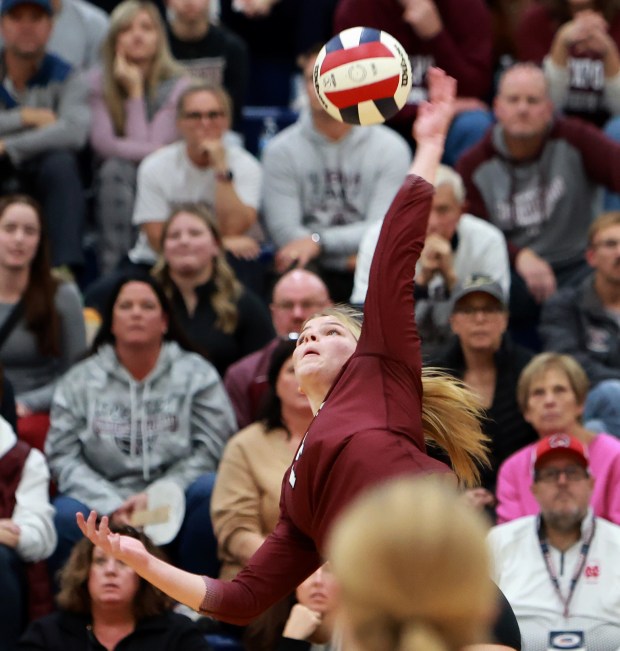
[{"x": 413, "y": 569}]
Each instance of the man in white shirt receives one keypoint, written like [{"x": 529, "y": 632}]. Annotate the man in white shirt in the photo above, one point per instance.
[
  {"x": 206, "y": 165},
  {"x": 457, "y": 247},
  {"x": 560, "y": 571}
]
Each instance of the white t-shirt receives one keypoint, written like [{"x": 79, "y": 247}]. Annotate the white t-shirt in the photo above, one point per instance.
[
  {"x": 521, "y": 574},
  {"x": 168, "y": 176}
]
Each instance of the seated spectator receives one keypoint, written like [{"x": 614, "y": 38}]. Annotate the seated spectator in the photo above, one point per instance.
[
  {"x": 78, "y": 32},
  {"x": 244, "y": 506},
  {"x": 297, "y": 295},
  {"x": 209, "y": 52},
  {"x": 483, "y": 355},
  {"x": 325, "y": 182},
  {"x": 43, "y": 330},
  {"x": 454, "y": 35},
  {"x": 7, "y": 401},
  {"x": 313, "y": 623},
  {"x": 140, "y": 408},
  {"x": 536, "y": 178},
  {"x": 312, "y": 618},
  {"x": 218, "y": 314},
  {"x": 551, "y": 392},
  {"x": 206, "y": 165},
  {"x": 577, "y": 42},
  {"x": 560, "y": 570},
  {"x": 26, "y": 532},
  {"x": 44, "y": 121},
  {"x": 406, "y": 586},
  {"x": 457, "y": 246},
  {"x": 584, "y": 321},
  {"x": 133, "y": 99},
  {"x": 246, "y": 496},
  {"x": 104, "y": 604}
]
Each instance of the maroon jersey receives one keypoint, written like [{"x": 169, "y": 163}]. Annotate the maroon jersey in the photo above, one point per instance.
[{"x": 368, "y": 430}]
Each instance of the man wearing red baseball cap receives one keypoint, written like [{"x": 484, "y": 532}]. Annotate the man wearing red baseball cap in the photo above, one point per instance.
[{"x": 560, "y": 570}]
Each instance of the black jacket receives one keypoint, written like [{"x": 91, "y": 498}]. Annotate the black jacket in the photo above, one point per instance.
[
  {"x": 504, "y": 424},
  {"x": 64, "y": 631}
]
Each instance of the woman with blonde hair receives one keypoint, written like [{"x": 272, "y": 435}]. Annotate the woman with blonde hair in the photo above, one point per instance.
[
  {"x": 365, "y": 390},
  {"x": 133, "y": 100},
  {"x": 551, "y": 393},
  {"x": 221, "y": 317},
  {"x": 423, "y": 587}
]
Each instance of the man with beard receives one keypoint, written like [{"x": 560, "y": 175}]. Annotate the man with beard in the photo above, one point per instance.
[
  {"x": 584, "y": 321},
  {"x": 560, "y": 570}
]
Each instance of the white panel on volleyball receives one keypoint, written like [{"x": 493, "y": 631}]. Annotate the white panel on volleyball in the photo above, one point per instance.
[
  {"x": 364, "y": 71},
  {"x": 351, "y": 37},
  {"x": 369, "y": 114}
]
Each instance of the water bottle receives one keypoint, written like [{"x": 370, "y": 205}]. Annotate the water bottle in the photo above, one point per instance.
[{"x": 269, "y": 130}]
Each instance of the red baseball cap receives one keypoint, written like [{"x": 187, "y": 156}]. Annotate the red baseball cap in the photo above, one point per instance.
[{"x": 559, "y": 443}]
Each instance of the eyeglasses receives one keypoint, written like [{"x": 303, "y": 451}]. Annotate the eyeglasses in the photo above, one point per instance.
[
  {"x": 472, "y": 310},
  {"x": 306, "y": 306},
  {"x": 552, "y": 475},
  {"x": 203, "y": 115},
  {"x": 606, "y": 244}
]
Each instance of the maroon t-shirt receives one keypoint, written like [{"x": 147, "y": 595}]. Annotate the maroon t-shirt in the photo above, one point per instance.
[{"x": 368, "y": 430}]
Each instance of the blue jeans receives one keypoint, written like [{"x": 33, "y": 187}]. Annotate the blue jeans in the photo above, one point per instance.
[
  {"x": 602, "y": 409},
  {"x": 466, "y": 130},
  {"x": 194, "y": 549},
  {"x": 611, "y": 200},
  {"x": 12, "y": 598}
]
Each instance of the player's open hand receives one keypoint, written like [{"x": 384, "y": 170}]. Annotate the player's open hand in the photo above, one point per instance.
[
  {"x": 435, "y": 116},
  {"x": 124, "y": 548}
]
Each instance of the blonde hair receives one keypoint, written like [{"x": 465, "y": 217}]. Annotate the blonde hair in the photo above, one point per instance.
[
  {"x": 164, "y": 66},
  {"x": 451, "y": 412},
  {"x": 544, "y": 362},
  {"x": 451, "y": 415},
  {"x": 219, "y": 92},
  {"x": 413, "y": 568},
  {"x": 228, "y": 289}
]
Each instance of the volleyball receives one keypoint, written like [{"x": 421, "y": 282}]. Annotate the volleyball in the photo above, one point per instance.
[{"x": 362, "y": 76}]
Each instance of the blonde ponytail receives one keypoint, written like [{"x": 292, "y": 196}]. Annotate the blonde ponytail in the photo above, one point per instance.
[{"x": 451, "y": 415}]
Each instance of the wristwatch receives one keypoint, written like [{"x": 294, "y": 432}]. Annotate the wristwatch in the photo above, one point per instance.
[
  {"x": 224, "y": 177},
  {"x": 316, "y": 238}
]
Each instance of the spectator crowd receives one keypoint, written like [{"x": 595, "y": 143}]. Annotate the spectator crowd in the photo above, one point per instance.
[{"x": 175, "y": 203}]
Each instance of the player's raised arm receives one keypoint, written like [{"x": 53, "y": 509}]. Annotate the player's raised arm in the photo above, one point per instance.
[
  {"x": 432, "y": 123},
  {"x": 389, "y": 326}
]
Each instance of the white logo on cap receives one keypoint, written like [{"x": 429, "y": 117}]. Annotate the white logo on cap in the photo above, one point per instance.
[{"x": 559, "y": 441}]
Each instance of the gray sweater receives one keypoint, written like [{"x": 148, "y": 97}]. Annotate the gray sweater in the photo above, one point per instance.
[
  {"x": 111, "y": 436},
  {"x": 54, "y": 86},
  {"x": 312, "y": 184},
  {"x": 33, "y": 375}
]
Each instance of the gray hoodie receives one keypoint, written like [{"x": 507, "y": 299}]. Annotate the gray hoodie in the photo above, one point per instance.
[
  {"x": 335, "y": 188},
  {"x": 111, "y": 436}
]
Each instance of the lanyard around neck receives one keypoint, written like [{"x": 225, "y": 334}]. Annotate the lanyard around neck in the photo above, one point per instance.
[{"x": 581, "y": 561}]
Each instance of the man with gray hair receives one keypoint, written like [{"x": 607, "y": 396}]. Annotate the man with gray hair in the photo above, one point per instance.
[{"x": 457, "y": 246}]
